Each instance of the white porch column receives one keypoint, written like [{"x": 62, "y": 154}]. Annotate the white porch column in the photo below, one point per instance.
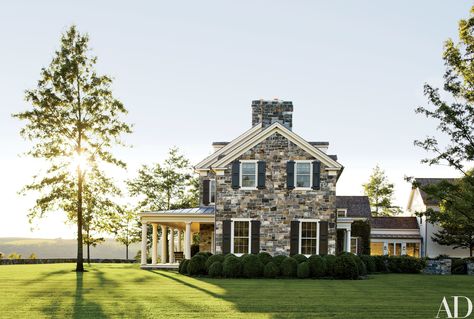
[
  {"x": 154, "y": 247},
  {"x": 171, "y": 245},
  {"x": 164, "y": 237},
  {"x": 178, "y": 247},
  {"x": 348, "y": 240},
  {"x": 187, "y": 241},
  {"x": 144, "y": 240}
]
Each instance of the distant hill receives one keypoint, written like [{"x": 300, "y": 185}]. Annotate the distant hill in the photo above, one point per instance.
[{"x": 62, "y": 248}]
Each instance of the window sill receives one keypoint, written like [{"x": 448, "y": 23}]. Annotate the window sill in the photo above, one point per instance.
[
  {"x": 302, "y": 189},
  {"x": 248, "y": 188}
]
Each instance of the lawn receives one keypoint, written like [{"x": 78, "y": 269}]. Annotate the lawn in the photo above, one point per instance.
[{"x": 124, "y": 291}]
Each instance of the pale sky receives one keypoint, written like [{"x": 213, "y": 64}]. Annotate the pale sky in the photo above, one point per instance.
[{"x": 188, "y": 70}]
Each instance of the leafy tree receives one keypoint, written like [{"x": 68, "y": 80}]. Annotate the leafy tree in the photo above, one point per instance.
[
  {"x": 127, "y": 227},
  {"x": 75, "y": 120},
  {"x": 165, "y": 186},
  {"x": 380, "y": 192}
]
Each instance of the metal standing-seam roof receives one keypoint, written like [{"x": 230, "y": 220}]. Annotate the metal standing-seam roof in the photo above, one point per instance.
[{"x": 204, "y": 210}]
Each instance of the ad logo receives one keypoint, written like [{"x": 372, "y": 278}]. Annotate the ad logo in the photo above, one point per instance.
[{"x": 446, "y": 312}]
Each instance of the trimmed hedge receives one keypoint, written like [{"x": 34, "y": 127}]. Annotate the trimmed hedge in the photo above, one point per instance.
[
  {"x": 345, "y": 267},
  {"x": 212, "y": 259},
  {"x": 197, "y": 265},
  {"x": 330, "y": 261},
  {"x": 265, "y": 257},
  {"x": 277, "y": 260},
  {"x": 369, "y": 262},
  {"x": 459, "y": 266},
  {"x": 303, "y": 270},
  {"x": 317, "y": 266},
  {"x": 183, "y": 267},
  {"x": 252, "y": 267},
  {"x": 215, "y": 270},
  {"x": 271, "y": 270},
  {"x": 232, "y": 267},
  {"x": 288, "y": 267},
  {"x": 300, "y": 258}
]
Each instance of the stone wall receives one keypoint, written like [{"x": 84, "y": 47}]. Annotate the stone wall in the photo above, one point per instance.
[
  {"x": 470, "y": 269},
  {"x": 269, "y": 112},
  {"x": 276, "y": 206},
  {"x": 61, "y": 260},
  {"x": 438, "y": 267},
  {"x": 205, "y": 237}
]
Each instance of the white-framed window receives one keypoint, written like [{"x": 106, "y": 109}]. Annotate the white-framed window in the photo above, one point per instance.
[
  {"x": 241, "y": 230},
  {"x": 212, "y": 191},
  {"x": 354, "y": 245},
  {"x": 309, "y": 237},
  {"x": 303, "y": 174},
  {"x": 248, "y": 174},
  {"x": 341, "y": 213}
]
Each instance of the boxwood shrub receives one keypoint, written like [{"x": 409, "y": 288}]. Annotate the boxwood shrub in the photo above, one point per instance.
[
  {"x": 303, "y": 270},
  {"x": 197, "y": 265},
  {"x": 345, "y": 267},
  {"x": 212, "y": 259},
  {"x": 232, "y": 267},
  {"x": 265, "y": 257},
  {"x": 317, "y": 266},
  {"x": 288, "y": 267},
  {"x": 183, "y": 266},
  {"x": 459, "y": 266},
  {"x": 300, "y": 258},
  {"x": 277, "y": 260},
  {"x": 330, "y": 261},
  {"x": 215, "y": 270},
  {"x": 271, "y": 270},
  {"x": 369, "y": 262},
  {"x": 252, "y": 267},
  {"x": 361, "y": 268}
]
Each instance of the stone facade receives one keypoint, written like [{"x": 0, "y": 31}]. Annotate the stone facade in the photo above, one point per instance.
[
  {"x": 438, "y": 267},
  {"x": 470, "y": 269},
  {"x": 206, "y": 232},
  {"x": 269, "y": 112},
  {"x": 275, "y": 206}
]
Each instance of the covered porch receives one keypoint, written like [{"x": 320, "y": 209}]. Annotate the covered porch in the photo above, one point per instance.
[{"x": 177, "y": 228}]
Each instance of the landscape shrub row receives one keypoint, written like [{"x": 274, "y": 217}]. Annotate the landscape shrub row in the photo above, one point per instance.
[{"x": 344, "y": 266}]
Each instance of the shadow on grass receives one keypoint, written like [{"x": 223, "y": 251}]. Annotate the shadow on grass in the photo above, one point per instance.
[{"x": 83, "y": 308}]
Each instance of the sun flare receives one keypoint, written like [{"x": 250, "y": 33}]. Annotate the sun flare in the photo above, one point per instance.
[{"x": 79, "y": 160}]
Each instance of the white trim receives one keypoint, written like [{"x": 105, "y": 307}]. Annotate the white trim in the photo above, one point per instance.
[
  {"x": 256, "y": 175},
  {"x": 357, "y": 244},
  {"x": 310, "y": 162},
  {"x": 249, "y": 220},
  {"x": 211, "y": 193},
  {"x": 280, "y": 129},
  {"x": 204, "y": 164},
  {"x": 300, "y": 230}
]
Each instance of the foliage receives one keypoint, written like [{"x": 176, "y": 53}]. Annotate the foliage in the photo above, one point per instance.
[
  {"x": 215, "y": 270},
  {"x": 330, "y": 261},
  {"x": 14, "y": 256},
  {"x": 197, "y": 265},
  {"x": 277, "y": 260},
  {"x": 303, "y": 270},
  {"x": 288, "y": 267},
  {"x": 381, "y": 263},
  {"x": 300, "y": 258},
  {"x": 74, "y": 120},
  {"x": 459, "y": 266},
  {"x": 166, "y": 186},
  {"x": 271, "y": 270},
  {"x": 126, "y": 227},
  {"x": 232, "y": 267},
  {"x": 32, "y": 256},
  {"x": 405, "y": 264},
  {"x": 317, "y": 266},
  {"x": 361, "y": 268},
  {"x": 183, "y": 266},
  {"x": 361, "y": 229},
  {"x": 194, "y": 249},
  {"x": 252, "y": 267},
  {"x": 265, "y": 257},
  {"x": 345, "y": 267},
  {"x": 380, "y": 193},
  {"x": 212, "y": 259},
  {"x": 369, "y": 262}
]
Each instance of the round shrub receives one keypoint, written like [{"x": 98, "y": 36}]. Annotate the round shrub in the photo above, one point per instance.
[
  {"x": 369, "y": 263},
  {"x": 300, "y": 258},
  {"x": 212, "y": 259},
  {"x": 345, "y": 267},
  {"x": 330, "y": 261},
  {"x": 459, "y": 267},
  {"x": 277, "y": 260},
  {"x": 264, "y": 257},
  {"x": 317, "y": 266},
  {"x": 270, "y": 270},
  {"x": 183, "y": 266},
  {"x": 252, "y": 267},
  {"x": 361, "y": 268},
  {"x": 228, "y": 255},
  {"x": 288, "y": 267},
  {"x": 410, "y": 265},
  {"x": 303, "y": 270},
  {"x": 232, "y": 267},
  {"x": 197, "y": 265},
  {"x": 381, "y": 263},
  {"x": 204, "y": 254},
  {"x": 215, "y": 269}
]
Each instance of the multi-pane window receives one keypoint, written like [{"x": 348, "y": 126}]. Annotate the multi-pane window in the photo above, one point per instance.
[
  {"x": 309, "y": 238},
  {"x": 212, "y": 191},
  {"x": 376, "y": 248},
  {"x": 249, "y": 174},
  {"x": 413, "y": 249},
  {"x": 303, "y": 174},
  {"x": 241, "y": 237},
  {"x": 354, "y": 243}
]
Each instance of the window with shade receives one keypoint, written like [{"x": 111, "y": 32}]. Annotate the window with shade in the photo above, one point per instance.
[
  {"x": 376, "y": 249},
  {"x": 413, "y": 249},
  {"x": 309, "y": 238},
  {"x": 241, "y": 237}
]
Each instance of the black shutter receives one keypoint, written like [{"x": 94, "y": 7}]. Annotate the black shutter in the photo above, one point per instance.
[
  {"x": 294, "y": 237},
  {"x": 226, "y": 233},
  {"x": 255, "y": 237},
  {"x": 205, "y": 192},
  {"x": 261, "y": 175},
  {"x": 290, "y": 174},
  {"x": 316, "y": 175},
  {"x": 236, "y": 175},
  {"x": 323, "y": 238}
]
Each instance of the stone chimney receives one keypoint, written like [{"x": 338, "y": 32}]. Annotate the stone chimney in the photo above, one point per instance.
[{"x": 268, "y": 112}]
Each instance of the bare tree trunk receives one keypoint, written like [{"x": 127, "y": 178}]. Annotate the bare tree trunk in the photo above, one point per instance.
[
  {"x": 126, "y": 252},
  {"x": 88, "y": 246},
  {"x": 80, "y": 261}
]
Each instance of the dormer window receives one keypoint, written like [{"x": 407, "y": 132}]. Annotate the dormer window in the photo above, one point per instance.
[
  {"x": 342, "y": 213},
  {"x": 248, "y": 174}
]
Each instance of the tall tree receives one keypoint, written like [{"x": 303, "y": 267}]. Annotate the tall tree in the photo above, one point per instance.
[
  {"x": 380, "y": 193},
  {"x": 75, "y": 120},
  {"x": 127, "y": 228},
  {"x": 165, "y": 186}
]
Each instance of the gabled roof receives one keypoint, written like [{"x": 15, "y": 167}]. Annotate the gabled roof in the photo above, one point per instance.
[
  {"x": 357, "y": 206},
  {"x": 237, "y": 149},
  {"x": 427, "y": 200},
  {"x": 394, "y": 222}
]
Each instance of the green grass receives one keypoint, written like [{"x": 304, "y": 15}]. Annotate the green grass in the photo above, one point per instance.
[{"x": 124, "y": 291}]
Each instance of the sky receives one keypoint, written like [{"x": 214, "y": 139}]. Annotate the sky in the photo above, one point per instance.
[{"x": 187, "y": 71}]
